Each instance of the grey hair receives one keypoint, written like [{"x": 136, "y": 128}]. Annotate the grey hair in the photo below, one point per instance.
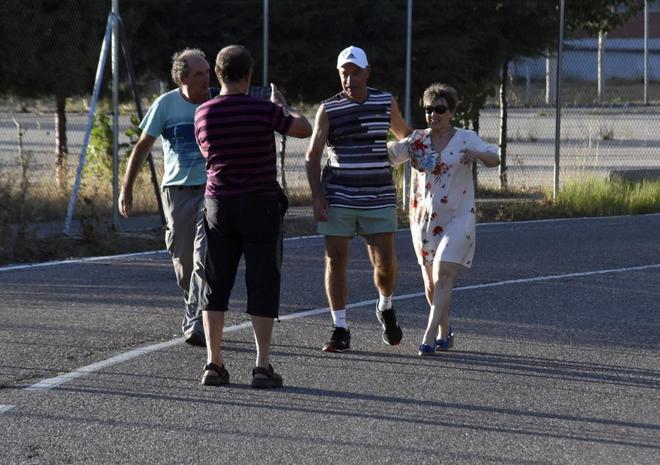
[
  {"x": 180, "y": 63},
  {"x": 438, "y": 90}
]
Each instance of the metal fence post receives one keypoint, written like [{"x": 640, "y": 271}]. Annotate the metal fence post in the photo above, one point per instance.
[
  {"x": 550, "y": 78},
  {"x": 115, "y": 116},
  {"x": 528, "y": 84},
  {"x": 602, "y": 35},
  {"x": 90, "y": 121},
  {"x": 646, "y": 52},
  {"x": 265, "y": 33},
  {"x": 406, "y": 107},
  {"x": 555, "y": 190}
]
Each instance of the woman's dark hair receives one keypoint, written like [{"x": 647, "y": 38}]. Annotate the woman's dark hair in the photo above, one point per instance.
[
  {"x": 233, "y": 63},
  {"x": 438, "y": 90}
]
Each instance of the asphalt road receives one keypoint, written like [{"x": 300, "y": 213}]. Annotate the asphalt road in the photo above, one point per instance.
[{"x": 557, "y": 361}]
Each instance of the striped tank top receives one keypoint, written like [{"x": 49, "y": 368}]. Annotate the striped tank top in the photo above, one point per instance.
[{"x": 358, "y": 173}]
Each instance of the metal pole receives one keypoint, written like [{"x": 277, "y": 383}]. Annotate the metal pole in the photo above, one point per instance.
[
  {"x": 555, "y": 190},
  {"x": 602, "y": 35},
  {"x": 406, "y": 105},
  {"x": 550, "y": 78},
  {"x": 103, "y": 57},
  {"x": 282, "y": 165},
  {"x": 528, "y": 84},
  {"x": 115, "y": 115},
  {"x": 265, "y": 76},
  {"x": 646, "y": 52},
  {"x": 406, "y": 108}
]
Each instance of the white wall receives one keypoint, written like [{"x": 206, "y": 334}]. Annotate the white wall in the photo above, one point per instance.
[{"x": 624, "y": 59}]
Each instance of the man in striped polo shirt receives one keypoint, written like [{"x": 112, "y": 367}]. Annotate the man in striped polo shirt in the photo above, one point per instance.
[
  {"x": 355, "y": 193},
  {"x": 244, "y": 207}
]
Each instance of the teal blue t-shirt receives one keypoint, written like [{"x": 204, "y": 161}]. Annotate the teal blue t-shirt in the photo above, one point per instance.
[{"x": 173, "y": 119}]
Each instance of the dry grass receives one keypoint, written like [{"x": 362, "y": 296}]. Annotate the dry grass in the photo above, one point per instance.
[
  {"x": 23, "y": 205},
  {"x": 598, "y": 197},
  {"x": 44, "y": 200},
  {"x": 577, "y": 198}
]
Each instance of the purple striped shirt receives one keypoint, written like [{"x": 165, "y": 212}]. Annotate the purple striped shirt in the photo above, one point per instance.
[{"x": 235, "y": 135}]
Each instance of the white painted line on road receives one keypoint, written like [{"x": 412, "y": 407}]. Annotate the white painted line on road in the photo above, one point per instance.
[
  {"x": 558, "y": 276},
  {"x": 76, "y": 260},
  {"x": 562, "y": 220},
  {"x": 297, "y": 238},
  {"x": 484, "y": 286},
  {"x": 120, "y": 358},
  {"x": 4, "y": 408}
]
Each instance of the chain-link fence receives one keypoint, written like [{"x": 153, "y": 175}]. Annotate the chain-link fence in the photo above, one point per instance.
[
  {"x": 606, "y": 125},
  {"x": 613, "y": 131}
]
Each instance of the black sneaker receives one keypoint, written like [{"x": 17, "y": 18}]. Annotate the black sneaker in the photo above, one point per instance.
[
  {"x": 392, "y": 334},
  {"x": 339, "y": 341}
]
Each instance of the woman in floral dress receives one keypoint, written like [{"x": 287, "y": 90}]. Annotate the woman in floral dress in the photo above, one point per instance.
[{"x": 442, "y": 208}]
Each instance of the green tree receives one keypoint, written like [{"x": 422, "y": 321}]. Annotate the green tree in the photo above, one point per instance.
[
  {"x": 155, "y": 30},
  {"x": 50, "y": 48}
]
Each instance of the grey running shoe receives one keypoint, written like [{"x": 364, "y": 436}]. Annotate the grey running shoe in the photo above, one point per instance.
[
  {"x": 196, "y": 339},
  {"x": 392, "y": 334},
  {"x": 339, "y": 341}
]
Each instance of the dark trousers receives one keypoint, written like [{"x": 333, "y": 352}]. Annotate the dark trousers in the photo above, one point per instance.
[{"x": 248, "y": 226}]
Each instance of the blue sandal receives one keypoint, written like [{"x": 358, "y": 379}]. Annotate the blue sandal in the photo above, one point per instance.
[
  {"x": 442, "y": 346},
  {"x": 426, "y": 349}
]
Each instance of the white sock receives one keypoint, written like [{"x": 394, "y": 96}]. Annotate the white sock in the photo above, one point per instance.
[
  {"x": 339, "y": 318},
  {"x": 384, "y": 302}
]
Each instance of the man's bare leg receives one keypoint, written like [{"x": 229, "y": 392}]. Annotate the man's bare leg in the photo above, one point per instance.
[{"x": 383, "y": 259}]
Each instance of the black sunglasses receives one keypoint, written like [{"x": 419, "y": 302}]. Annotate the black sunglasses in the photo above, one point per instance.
[{"x": 439, "y": 109}]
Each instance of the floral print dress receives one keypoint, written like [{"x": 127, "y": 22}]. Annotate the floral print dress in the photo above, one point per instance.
[{"x": 442, "y": 208}]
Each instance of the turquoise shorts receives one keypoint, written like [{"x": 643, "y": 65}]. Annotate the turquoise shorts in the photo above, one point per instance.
[{"x": 343, "y": 221}]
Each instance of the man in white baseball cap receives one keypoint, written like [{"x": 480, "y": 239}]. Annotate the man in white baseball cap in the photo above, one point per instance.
[
  {"x": 353, "y": 55},
  {"x": 355, "y": 194}
]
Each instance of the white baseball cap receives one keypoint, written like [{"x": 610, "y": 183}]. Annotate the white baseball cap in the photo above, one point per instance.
[{"x": 353, "y": 55}]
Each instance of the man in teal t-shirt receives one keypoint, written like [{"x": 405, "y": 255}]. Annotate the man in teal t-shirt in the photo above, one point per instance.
[{"x": 172, "y": 118}]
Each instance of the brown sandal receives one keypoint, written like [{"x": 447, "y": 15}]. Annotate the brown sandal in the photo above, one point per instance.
[
  {"x": 220, "y": 377},
  {"x": 265, "y": 378}
]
